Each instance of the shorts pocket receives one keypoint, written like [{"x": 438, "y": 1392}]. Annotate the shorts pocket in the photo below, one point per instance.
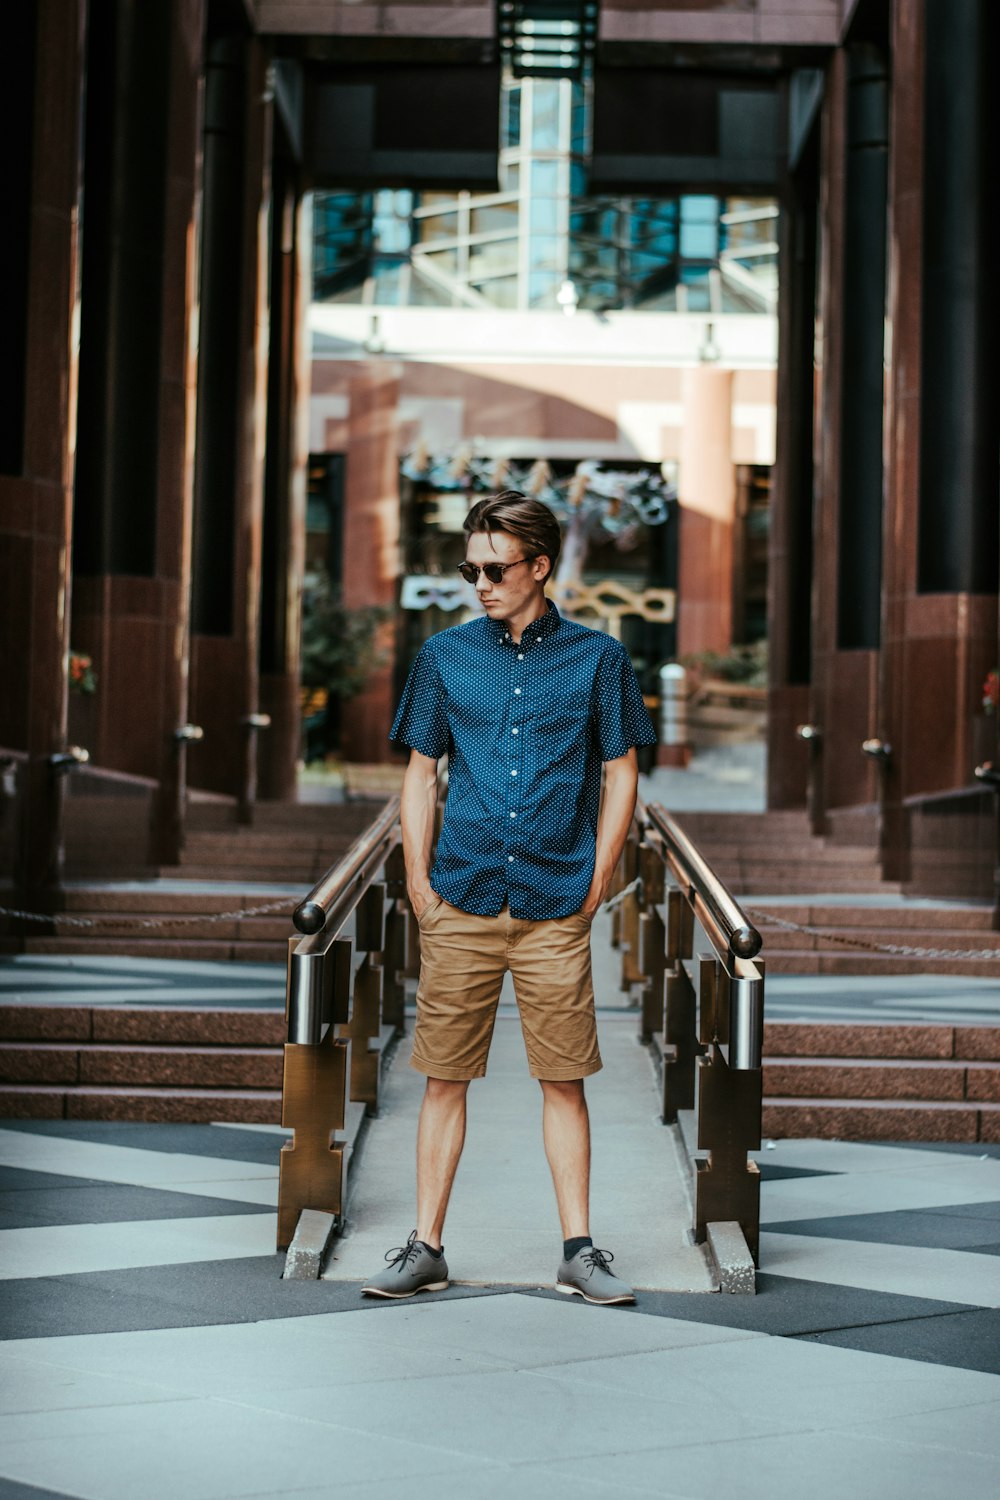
[{"x": 431, "y": 907}]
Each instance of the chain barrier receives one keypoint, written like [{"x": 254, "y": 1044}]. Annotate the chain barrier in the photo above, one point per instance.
[
  {"x": 271, "y": 908},
  {"x": 619, "y": 896},
  {"x": 899, "y": 950}
]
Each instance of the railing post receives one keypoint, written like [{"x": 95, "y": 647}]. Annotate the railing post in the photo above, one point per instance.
[
  {"x": 314, "y": 1105},
  {"x": 628, "y": 932}
]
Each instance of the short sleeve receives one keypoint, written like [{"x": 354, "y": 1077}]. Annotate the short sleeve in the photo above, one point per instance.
[
  {"x": 421, "y": 721},
  {"x": 621, "y": 716}
]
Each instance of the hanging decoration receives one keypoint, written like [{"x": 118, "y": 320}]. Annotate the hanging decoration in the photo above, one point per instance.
[{"x": 593, "y": 503}]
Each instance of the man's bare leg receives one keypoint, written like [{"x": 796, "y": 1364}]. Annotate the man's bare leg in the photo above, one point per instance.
[
  {"x": 440, "y": 1138},
  {"x": 566, "y": 1131}
]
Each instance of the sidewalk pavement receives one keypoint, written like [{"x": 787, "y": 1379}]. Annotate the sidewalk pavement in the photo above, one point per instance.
[{"x": 151, "y": 1349}]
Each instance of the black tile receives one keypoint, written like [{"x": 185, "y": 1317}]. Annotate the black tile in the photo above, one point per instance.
[
  {"x": 13, "y": 1489},
  {"x": 932, "y": 1229},
  {"x": 26, "y": 1179},
  {"x": 787, "y": 1305},
  {"x": 967, "y": 1340},
  {"x": 772, "y": 1171},
  {"x": 245, "y": 1290},
  {"x": 78, "y": 1201},
  {"x": 229, "y": 1143},
  {"x": 951, "y": 1148}
]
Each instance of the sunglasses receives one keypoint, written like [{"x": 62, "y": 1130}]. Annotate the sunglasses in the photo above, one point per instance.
[{"x": 494, "y": 571}]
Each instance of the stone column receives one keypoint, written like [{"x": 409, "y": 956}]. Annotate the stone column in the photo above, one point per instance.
[
  {"x": 843, "y": 698},
  {"x": 707, "y": 511},
  {"x": 132, "y": 521},
  {"x": 940, "y": 607},
  {"x": 36, "y": 479},
  {"x": 371, "y": 542}
]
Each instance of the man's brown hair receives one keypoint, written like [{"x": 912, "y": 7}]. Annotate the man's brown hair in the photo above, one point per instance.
[{"x": 519, "y": 515}]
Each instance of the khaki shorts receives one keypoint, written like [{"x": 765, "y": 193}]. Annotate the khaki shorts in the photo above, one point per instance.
[{"x": 463, "y": 959}]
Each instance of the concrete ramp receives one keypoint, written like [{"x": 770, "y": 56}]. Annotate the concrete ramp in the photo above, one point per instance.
[{"x": 502, "y": 1227}]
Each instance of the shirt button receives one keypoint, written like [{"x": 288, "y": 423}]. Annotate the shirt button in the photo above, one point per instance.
[
  {"x": 513, "y": 731},
  {"x": 538, "y": 640},
  {"x": 513, "y": 773},
  {"x": 517, "y": 692},
  {"x": 510, "y": 859},
  {"x": 513, "y": 815},
  {"x": 520, "y": 656}
]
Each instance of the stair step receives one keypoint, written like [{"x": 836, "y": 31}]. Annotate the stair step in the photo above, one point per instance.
[
  {"x": 871, "y": 1078},
  {"x": 94, "y": 901},
  {"x": 848, "y": 1039},
  {"x": 120, "y": 1065},
  {"x": 216, "y": 950},
  {"x": 167, "y": 1106},
  {"x": 155, "y": 1026},
  {"x": 783, "y": 961},
  {"x": 874, "y": 1120}
]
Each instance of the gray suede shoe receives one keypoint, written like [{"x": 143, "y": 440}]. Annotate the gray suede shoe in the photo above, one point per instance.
[
  {"x": 412, "y": 1268},
  {"x": 588, "y": 1275}
]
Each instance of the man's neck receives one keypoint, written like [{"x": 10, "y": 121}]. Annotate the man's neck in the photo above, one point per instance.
[{"x": 518, "y": 624}]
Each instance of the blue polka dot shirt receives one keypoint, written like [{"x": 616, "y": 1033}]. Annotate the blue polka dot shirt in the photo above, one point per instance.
[{"x": 526, "y": 727}]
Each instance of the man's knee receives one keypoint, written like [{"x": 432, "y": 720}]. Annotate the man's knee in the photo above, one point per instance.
[
  {"x": 442, "y": 1090},
  {"x": 568, "y": 1089}
]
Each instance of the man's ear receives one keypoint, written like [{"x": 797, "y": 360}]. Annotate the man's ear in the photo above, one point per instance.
[{"x": 543, "y": 562}]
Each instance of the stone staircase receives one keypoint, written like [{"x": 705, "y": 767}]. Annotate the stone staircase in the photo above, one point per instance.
[
  {"x": 851, "y": 1081},
  {"x": 141, "y": 1063},
  {"x": 273, "y": 862},
  {"x": 775, "y": 854}
]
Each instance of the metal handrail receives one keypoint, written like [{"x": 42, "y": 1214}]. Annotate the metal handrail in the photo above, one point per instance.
[
  {"x": 716, "y": 908},
  {"x": 348, "y": 874}
]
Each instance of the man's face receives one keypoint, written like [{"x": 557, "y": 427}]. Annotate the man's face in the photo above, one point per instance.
[{"x": 520, "y": 585}]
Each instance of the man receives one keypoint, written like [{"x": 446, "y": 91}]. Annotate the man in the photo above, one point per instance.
[{"x": 528, "y": 707}]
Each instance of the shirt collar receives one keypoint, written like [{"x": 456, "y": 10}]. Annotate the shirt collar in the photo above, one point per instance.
[{"x": 545, "y": 625}]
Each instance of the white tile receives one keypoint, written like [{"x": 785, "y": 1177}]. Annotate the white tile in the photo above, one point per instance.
[
  {"x": 28, "y": 1385},
  {"x": 208, "y": 1176},
  {"x": 953, "y": 1180},
  {"x": 967, "y": 1429},
  {"x": 202, "y": 1449},
  {"x": 787, "y": 1385},
  {"x": 68, "y": 1249},
  {"x": 908, "y": 1270},
  {"x": 827, "y": 1465}
]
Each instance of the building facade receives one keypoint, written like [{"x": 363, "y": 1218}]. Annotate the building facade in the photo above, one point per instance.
[{"x": 163, "y": 163}]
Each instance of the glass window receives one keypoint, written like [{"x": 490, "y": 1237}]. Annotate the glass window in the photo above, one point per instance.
[
  {"x": 545, "y": 114},
  {"x": 543, "y": 251},
  {"x": 443, "y": 260},
  {"x": 542, "y": 288},
  {"x": 498, "y": 259},
  {"x": 512, "y": 122},
  {"x": 697, "y": 288},
  {"x": 577, "y": 179},
  {"x": 502, "y": 291},
  {"x": 495, "y": 218},
  {"x": 544, "y": 216},
  {"x": 437, "y": 227},
  {"x": 699, "y": 241},
  {"x": 544, "y": 179},
  {"x": 580, "y": 144}
]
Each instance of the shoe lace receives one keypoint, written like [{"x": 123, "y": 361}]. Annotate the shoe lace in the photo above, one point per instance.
[
  {"x": 403, "y": 1254},
  {"x": 598, "y": 1260}
]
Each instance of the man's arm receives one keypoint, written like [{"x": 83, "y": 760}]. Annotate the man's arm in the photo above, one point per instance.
[
  {"x": 621, "y": 782},
  {"x": 418, "y": 802}
]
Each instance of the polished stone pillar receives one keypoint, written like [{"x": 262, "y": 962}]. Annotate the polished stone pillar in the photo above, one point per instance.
[
  {"x": 843, "y": 702},
  {"x": 37, "y": 460},
  {"x": 287, "y": 429},
  {"x": 940, "y": 611},
  {"x": 707, "y": 498},
  {"x": 132, "y": 519},
  {"x": 789, "y": 559},
  {"x": 232, "y": 379},
  {"x": 371, "y": 542}
]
